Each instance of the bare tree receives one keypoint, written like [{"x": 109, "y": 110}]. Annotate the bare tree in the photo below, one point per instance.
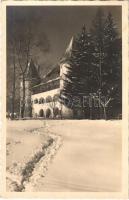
[
  {"x": 12, "y": 56},
  {"x": 103, "y": 101},
  {"x": 26, "y": 39},
  {"x": 54, "y": 106}
]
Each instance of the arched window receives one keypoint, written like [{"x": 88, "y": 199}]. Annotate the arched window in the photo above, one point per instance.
[
  {"x": 56, "y": 112},
  {"x": 41, "y": 100},
  {"x": 41, "y": 113},
  {"x": 35, "y": 101},
  {"x": 56, "y": 98},
  {"x": 48, "y": 113},
  {"x": 48, "y": 99}
]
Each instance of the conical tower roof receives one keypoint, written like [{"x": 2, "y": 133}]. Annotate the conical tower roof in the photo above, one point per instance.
[
  {"x": 70, "y": 47},
  {"x": 31, "y": 71},
  {"x": 68, "y": 51}
]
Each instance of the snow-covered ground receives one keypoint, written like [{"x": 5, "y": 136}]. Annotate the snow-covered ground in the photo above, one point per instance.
[{"x": 89, "y": 157}]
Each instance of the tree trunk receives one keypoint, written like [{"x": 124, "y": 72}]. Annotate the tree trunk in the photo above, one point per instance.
[
  {"x": 13, "y": 93},
  {"x": 105, "y": 114},
  {"x": 100, "y": 68},
  {"x": 61, "y": 111},
  {"x": 90, "y": 112},
  {"x": 22, "y": 105}
]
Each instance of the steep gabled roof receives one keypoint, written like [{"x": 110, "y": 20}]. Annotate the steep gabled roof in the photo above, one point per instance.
[
  {"x": 55, "y": 71},
  {"x": 32, "y": 71},
  {"x": 70, "y": 47},
  {"x": 68, "y": 51},
  {"x": 52, "y": 74}
]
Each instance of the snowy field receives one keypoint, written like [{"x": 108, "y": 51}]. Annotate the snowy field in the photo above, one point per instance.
[{"x": 64, "y": 156}]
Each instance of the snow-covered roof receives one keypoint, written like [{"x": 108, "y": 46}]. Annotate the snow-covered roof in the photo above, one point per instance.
[
  {"x": 47, "y": 82},
  {"x": 52, "y": 74},
  {"x": 31, "y": 71},
  {"x": 70, "y": 47},
  {"x": 68, "y": 52}
]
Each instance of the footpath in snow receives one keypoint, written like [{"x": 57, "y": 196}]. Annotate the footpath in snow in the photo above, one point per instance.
[
  {"x": 89, "y": 157},
  {"x": 29, "y": 151}
]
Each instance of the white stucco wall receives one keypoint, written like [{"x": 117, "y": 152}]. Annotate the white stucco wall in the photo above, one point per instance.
[
  {"x": 36, "y": 108},
  {"x": 45, "y": 94},
  {"x": 63, "y": 71}
]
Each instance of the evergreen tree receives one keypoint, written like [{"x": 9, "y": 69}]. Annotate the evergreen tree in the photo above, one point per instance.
[
  {"x": 76, "y": 80},
  {"x": 95, "y": 68},
  {"x": 97, "y": 41},
  {"x": 112, "y": 75},
  {"x": 111, "y": 52},
  {"x": 97, "y": 33},
  {"x": 107, "y": 61}
]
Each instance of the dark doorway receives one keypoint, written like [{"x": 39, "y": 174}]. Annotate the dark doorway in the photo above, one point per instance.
[
  {"x": 48, "y": 113},
  {"x": 41, "y": 113}
]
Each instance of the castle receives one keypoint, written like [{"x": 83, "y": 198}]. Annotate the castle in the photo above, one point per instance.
[{"x": 42, "y": 95}]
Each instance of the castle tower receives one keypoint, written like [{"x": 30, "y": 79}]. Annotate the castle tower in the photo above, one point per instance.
[
  {"x": 64, "y": 63},
  {"x": 31, "y": 78}
]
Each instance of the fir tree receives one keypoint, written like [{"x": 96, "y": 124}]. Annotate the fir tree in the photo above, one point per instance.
[
  {"x": 97, "y": 41},
  {"x": 107, "y": 61},
  {"x": 112, "y": 76},
  {"x": 97, "y": 33},
  {"x": 95, "y": 68},
  {"x": 76, "y": 80}
]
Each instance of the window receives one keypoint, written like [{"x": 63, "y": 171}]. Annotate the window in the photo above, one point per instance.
[
  {"x": 56, "y": 97},
  {"x": 56, "y": 112},
  {"x": 48, "y": 99},
  {"x": 35, "y": 101},
  {"x": 41, "y": 100},
  {"x": 41, "y": 113},
  {"x": 48, "y": 113}
]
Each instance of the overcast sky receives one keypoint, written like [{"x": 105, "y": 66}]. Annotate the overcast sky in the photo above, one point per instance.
[{"x": 60, "y": 23}]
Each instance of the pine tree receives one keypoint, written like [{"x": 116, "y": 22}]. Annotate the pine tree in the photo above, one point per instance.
[
  {"x": 76, "y": 80},
  {"x": 97, "y": 36},
  {"x": 97, "y": 33},
  {"x": 95, "y": 68},
  {"x": 112, "y": 76},
  {"x": 106, "y": 61}
]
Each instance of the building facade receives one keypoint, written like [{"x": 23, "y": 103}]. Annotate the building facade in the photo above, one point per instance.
[{"x": 42, "y": 95}]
